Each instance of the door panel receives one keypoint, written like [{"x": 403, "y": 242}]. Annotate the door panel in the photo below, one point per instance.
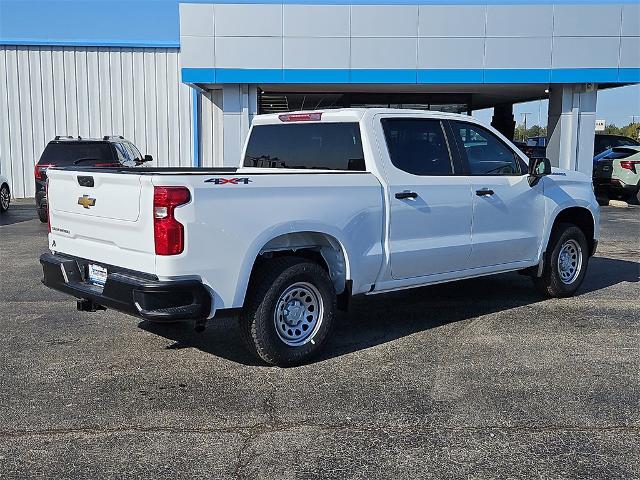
[
  {"x": 432, "y": 233},
  {"x": 508, "y": 214},
  {"x": 507, "y": 226},
  {"x": 430, "y": 208}
]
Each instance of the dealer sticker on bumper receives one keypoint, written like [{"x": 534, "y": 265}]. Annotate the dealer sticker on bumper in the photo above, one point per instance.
[{"x": 97, "y": 274}]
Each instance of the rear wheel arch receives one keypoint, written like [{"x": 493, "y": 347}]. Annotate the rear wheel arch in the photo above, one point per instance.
[{"x": 320, "y": 247}]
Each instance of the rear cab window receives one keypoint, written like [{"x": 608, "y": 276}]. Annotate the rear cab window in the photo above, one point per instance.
[
  {"x": 317, "y": 145},
  {"x": 65, "y": 154}
]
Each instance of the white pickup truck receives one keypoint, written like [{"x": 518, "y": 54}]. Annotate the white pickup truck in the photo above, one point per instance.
[{"x": 324, "y": 206}]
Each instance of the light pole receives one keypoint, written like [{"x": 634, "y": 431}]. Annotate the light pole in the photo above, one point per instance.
[{"x": 524, "y": 114}]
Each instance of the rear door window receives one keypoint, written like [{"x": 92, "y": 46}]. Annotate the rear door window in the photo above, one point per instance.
[
  {"x": 417, "y": 146},
  {"x": 76, "y": 153},
  {"x": 328, "y": 146}
]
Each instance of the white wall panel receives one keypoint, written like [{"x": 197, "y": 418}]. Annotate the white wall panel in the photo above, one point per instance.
[
  {"x": 82, "y": 93},
  {"x": 88, "y": 91},
  {"x": 151, "y": 103},
  {"x": 48, "y": 110},
  {"x": 5, "y": 146},
  {"x": 70, "y": 90},
  {"x": 15, "y": 133},
  {"x": 93, "y": 86},
  {"x": 117, "y": 115},
  {"x": 104, "y": 91},
  {"x": 35, "y": 84},
  {"x": 128, "y": 117}
]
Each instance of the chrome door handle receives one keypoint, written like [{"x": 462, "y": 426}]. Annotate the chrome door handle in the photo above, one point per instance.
[
  {"x": 483, "y": 192},
  {"x": 406, "y": 194}
]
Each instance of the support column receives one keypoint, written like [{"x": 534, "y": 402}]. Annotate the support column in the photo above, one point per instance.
[
  {"x": 196, "y": 116},
  {"x": 503, "y": 120},
  {"x": 571, "y": 126},
  {"x": 239, "y": 106}
]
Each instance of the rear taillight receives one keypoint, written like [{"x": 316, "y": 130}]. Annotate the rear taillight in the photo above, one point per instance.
[
  {"x": 629, "y": 164},
  {"x": 167, "y": 231},
  {"x": 39, "y": 171}
]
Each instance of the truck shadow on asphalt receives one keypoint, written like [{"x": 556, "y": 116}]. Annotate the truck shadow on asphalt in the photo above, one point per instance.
[
  {"x": 18, "y": 213},
  {"x": 377, "y": 320}
]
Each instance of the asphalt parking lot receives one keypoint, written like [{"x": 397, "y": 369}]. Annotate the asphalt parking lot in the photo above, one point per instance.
[{"x": 477, "y": 379}]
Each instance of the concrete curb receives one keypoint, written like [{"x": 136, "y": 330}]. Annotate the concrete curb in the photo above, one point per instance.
[{"x": 618, "y": 204}]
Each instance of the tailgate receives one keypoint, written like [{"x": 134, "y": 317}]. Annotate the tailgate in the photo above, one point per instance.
[
  {"x": 603, "y": 171},
  {"x": 97, "y": 216},
  {"x": 104, "y": 195}
]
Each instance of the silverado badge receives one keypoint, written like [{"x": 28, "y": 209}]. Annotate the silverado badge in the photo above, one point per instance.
[{"x": 86, "y": 202}]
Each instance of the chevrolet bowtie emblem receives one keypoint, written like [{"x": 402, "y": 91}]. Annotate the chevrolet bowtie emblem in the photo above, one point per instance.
[{"x": 86, "y": 202}]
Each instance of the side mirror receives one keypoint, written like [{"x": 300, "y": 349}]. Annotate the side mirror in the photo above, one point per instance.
[
  {"x": 147, "y": 158},
  {"x": 538, "y": 168}
]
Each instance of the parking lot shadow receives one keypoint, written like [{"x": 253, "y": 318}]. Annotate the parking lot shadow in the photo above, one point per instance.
[
  {"x": 18, "y": 213},
  {"x": 605, "y": 272},
  {"x": 380, "y": 319}
]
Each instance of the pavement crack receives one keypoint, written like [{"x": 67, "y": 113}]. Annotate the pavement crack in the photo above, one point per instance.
[{"x": 250, "y": 432}]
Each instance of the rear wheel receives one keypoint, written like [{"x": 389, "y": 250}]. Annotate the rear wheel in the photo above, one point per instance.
[
  {"x": 43, "y": 215},
  {"x": 5, "y": 197},
  {"x": 289, "y": 311},
  {"x": 565, "y": 263}
]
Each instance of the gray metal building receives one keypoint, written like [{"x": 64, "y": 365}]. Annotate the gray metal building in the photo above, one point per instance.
[
  {"x": 91, "y": 92},
  {"x": 192, "y": 102}
]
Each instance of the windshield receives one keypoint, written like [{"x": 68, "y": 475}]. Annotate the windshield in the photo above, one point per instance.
[{"x": 73, "y": 153}]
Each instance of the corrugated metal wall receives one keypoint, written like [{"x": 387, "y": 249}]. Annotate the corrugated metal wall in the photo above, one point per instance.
[{"x": 91, "y": 92}]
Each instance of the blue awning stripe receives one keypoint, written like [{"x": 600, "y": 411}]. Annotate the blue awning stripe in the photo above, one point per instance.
[{"x": 409, "y": 76}]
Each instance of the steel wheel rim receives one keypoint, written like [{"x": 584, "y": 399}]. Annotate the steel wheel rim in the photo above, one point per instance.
[
  {"x": 4, "y": 198},
  {"x": 569, "y": 262},
  {"x": 298, "y": 314}
]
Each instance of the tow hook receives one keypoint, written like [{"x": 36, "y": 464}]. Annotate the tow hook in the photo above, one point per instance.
[
  {"x": 86, "y": 305},
  {"x": 200, "y": 324}
]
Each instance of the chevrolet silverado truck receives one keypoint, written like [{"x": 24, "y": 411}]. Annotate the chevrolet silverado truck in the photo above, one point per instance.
[{"x": 324, "y": 206}]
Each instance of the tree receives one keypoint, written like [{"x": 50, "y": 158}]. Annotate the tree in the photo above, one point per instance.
[
  {"x": 533, "y": 131},
  {"x": 632, "y": 130}
]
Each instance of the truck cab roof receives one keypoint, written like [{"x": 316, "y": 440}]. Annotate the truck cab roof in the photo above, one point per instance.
[{"x": 349, "y": 115}]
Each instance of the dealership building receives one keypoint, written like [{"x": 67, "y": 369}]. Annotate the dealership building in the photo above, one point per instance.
[{"x": 186, "y": 91}]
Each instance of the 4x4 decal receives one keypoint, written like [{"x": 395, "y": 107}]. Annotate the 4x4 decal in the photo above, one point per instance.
[{"x": 232, "y": 181}]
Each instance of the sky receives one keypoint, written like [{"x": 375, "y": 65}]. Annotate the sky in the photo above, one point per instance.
[
  {"x": 615, "y": 105},
  {"x": 90, "y": 22}
]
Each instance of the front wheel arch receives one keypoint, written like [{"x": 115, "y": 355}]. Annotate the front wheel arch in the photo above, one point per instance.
[{"x": 582, "y": 218}]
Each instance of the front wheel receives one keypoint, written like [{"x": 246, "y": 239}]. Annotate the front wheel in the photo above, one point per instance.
[
  {"x": 565, "y": 264},
  {"x": 5, "y": 198},
  {"x": 289, "y": 311}
]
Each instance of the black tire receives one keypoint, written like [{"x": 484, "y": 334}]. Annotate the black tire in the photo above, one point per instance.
[
  {"x": 551, "y": 283},
  {"x": 5, "y": 198},
  {"x": 258, "y": 322},
  {"x": 630, "y": 197},
  {"x": 43, "y": 215}
]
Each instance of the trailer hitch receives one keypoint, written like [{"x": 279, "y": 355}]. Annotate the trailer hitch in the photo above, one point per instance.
[
  {"x": 200, "y": 324},
  {"x": 86, "y": 305}
]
